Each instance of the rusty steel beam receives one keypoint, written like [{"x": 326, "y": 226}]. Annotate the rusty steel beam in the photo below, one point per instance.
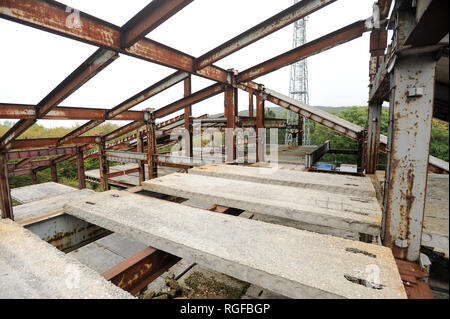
[
  {"x": 135, "y": 273},
  {"x": 116, "y": 112},
  {"x": 190, "y": 100},
  {"x": 123, "y": 130},
  {"x": 88, "y": 69},
  {"x": 28, "y": 112},
  {"x": 30, "y": 154},
  {"x": 51, "y": 16},
  {"x": 324, "y": 43},
  {"x": 104, "y": 164},
  {"x": 49, "y": 142},
  {"x": 23, "y": 162},
  {"x": 148, "y": 19},
  {"x": 275, "y": 23}
]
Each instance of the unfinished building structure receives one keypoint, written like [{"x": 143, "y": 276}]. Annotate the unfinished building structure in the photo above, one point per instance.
[{"x": 345, "y": 225}]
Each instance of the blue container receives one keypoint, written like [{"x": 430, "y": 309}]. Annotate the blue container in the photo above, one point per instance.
[{"x": 325, "y": 166}]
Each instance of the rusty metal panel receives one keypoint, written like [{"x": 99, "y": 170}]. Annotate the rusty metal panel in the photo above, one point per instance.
[
  {"x": 148, "y": 19},
  {"x": 411, "y": 112},
  {"x": 277, "y": 22},
  {"x": 135, "y": 273},
  {"x": 49, "y": 142},
  {"x": 324, "y": 43}
]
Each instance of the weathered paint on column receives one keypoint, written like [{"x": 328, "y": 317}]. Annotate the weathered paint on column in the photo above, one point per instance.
[
  {"x": 140, "y": 149},
  {"x": 80, "y": 169},
  {"x": 250, "y": 104},
  {"x": 261, "y": 136},
  {"x": 373, "y": 138},
  {"x": 5, "y": 193},
  {"x": 54, "y": 172},
  {"x": 411, "y": 112},
  {"x": 104, "y": 165},
  {"x": 151, "y": 147},
  {"x": 231, "y": 110},
  {"x": 187, "y": 119}
]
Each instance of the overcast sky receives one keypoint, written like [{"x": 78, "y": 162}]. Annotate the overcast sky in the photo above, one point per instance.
[{"x": 33, "y": 62}]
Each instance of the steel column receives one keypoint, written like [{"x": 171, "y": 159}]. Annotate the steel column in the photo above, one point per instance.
[
  {"x": 250, "y": 104},
  {"x": 54, "y": 172},
  {"x": 80, "y": 169},
  {"x": 151, "y": 147},
  {"x": 187, "y": 119},
  {"x": 300, "y": 131},
  {"x": 5, "y": 193},
  {"x": 140, "y": 149},
  {"x": 104, "y": 165},
  {"x": 34, "y": 179},
  {"x": 231, "y": 108},
  {"x": 411, "y": 111},
  {"x": 260, "y": 130},
  {"x": 373, "y": 138}
]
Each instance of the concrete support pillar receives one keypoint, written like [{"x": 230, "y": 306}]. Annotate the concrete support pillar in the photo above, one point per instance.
[
  {"x": 54, "y": 172},
  {"x": 373, "y": 138},
  {"x": 34, "y": 179},
  {"x": 187, "y": 119},
  {"x": 5, "y": 193},
  {"x": 140, "y": 149},
  {"x": 411, "y": 114},
  {"x": 260, "y": 131},
  {"x": 251, "y": 106},
  {"x": 231, "y": 110},
  {"x": 151, "y": 147},
  {"x": 104, "y": 165},
  {"x": 80, "y": 169}
]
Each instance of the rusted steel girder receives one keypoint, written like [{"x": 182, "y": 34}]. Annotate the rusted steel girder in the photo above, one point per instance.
[
  {"x": 54, "y": 172},
  {"x": 277, "y": 22},
  {"x": 88, "y": 69},
  {"x": 23, "y": 163},
  {"x": 51, "y": 16},
  {"x": 28, "y": 112},
  {"x": 123, "y": 130},
  {"x": 27, "y": 154},
  {"x": 373, "y": 138},
  {"x": 49, "y": 142},
  {"x": 135, "y": 273},
  {"x": 151, "y": 147},
  {"x": 116, "y": 112},
  {"x": 324, "y": 43},
  {"x": 190, "y": 100},
  {"x": 104, "y": 164},
  {"x": 5, "y": 193},
  {"x": 148, "y": 19}
]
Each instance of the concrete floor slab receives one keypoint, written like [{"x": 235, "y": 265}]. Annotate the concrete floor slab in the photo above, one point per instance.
[
  {"x": 32, "y": 193},
  {"x": 291, "y": 262},
  {"x": 357, "y": 214},
  {"x": 31, "y": 268},
  {"x": 341, "y": 184},
  {"x": 52, "y": 204}
]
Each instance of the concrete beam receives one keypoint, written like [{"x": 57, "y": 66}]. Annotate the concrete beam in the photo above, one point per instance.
[
  {"x": 291, "y": 262},
  {"x": 348, "y": 185},
  {"x": 355, "y": 213},
  {"x": 37, "y": 270}
]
